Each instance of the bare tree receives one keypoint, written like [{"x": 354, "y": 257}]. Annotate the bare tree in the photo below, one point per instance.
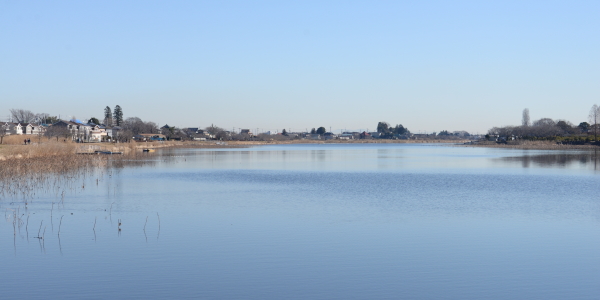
[
  {"x": 526, "y": 121},
  {"x": 58, "y": 131},
  {"x": 594, "y": 119},
  {"x": 124, "y": 136},
  {"x": 212, "y": 129},
  {"x": 506, "y": 131},
  {"x": 567, "y": 127},
  {"x": 3, "y": 129},
  {"x": 44, "y": 118},
  {"x": 137, "y": 126},
  {"x": 40, "y": 118},
  {"x": 545, "y": 127},
  {"x": 544, "y": 122},
  {"x": 22, "y": 115},
  {"x": 40, "y": 134}
]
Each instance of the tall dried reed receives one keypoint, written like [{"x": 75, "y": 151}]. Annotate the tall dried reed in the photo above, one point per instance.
[{"x": 53, "y": 166}]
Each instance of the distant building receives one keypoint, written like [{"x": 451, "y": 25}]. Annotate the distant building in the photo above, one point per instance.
[
  {"x": 346, "y": 136},
  {"x": 79, "y": 132},
  {"x": 417, "y": 136},
  {"x": 364, "y": 135},
  {"x": 245, "y": 131},
  {"x": 329, "y": 136},
  {"x": 166, "y": 128},
  {"x": 145, "y": 137},
  {"x": 11, "y": 128}
]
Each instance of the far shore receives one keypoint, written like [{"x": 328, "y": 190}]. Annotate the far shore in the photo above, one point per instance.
[
  {"x": 43, "y": 157},
  {"x": 530, "y": 145},
  {"x": 45, "y": 147}
]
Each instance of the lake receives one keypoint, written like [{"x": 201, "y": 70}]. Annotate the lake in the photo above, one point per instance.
[{"x": 315, "y": 221}]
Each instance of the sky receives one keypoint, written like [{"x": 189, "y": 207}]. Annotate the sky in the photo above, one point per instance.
[{"x": 270, "y": 65}]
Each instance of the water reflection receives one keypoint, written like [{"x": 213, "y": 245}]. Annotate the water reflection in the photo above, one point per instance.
[
  {"x": 347, "y": 222},
  {"x": 560, "y": 160},
  {"x": 74, "y": 230}
]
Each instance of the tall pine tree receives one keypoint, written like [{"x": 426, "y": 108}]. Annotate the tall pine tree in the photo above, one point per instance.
[
  {"x": 118, "y": 115},
  {"x": 107, "y": 116}
]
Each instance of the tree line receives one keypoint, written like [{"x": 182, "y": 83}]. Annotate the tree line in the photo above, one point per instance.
[
  {"x": 387, "y": 132},
  {"x": 549, "y": 129}
]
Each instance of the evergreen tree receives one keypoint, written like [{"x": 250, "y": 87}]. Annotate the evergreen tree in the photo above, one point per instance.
[
  {"x": 383, "y": 127},
  {"x": 107, "y": 116},
  {"x": 118, "y": 115},
  {"x": 399, "y": 129}
]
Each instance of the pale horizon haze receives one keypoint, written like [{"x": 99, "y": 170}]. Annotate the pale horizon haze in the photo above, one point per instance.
[{"x": 428, "y": 65}]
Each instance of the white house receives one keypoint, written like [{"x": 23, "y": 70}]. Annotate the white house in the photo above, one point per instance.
[
  {"x": 35, "y": 129},
  {"x": 97, "y": 133},
  {"x": 13, "y": 128},
  {"x": 79, "y": 131}
]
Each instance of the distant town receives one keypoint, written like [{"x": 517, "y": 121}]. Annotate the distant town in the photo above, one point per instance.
[{"x": 114, "y": 128}]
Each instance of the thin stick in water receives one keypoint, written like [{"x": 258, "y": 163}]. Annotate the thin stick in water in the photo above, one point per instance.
[
  {"x": 158, "y": 235},
  {"x": 39, "y": 230},
  {"x": 27, "y": 227},
  {"x": 158, "y": 221},
  {"x": 60, "y": 224}
]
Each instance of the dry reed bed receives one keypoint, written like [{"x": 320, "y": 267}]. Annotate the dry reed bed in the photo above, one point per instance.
[{"x": 51, "y": 168}]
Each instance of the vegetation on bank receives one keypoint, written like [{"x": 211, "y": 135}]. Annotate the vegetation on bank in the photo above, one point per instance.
[
  {"x": 127, "y": 129},
  {"x": 24, "y": 169},
  {"x": 546, "y": 129}
]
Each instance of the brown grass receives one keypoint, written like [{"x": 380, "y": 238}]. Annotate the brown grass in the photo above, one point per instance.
[{"x": 50, "y": 166}]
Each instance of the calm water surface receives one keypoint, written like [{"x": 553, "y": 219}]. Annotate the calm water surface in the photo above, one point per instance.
[{"x": 314, "y": 222}]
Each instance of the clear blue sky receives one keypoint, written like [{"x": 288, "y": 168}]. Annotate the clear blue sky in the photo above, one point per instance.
[{"x": 429, "y": 65}]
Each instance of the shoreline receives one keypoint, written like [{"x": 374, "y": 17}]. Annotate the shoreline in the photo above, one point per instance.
[
  {"x": 531, "y": 145},
  {"x": 39, "y": 162},
  {"x": 52, "y": 148}
]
